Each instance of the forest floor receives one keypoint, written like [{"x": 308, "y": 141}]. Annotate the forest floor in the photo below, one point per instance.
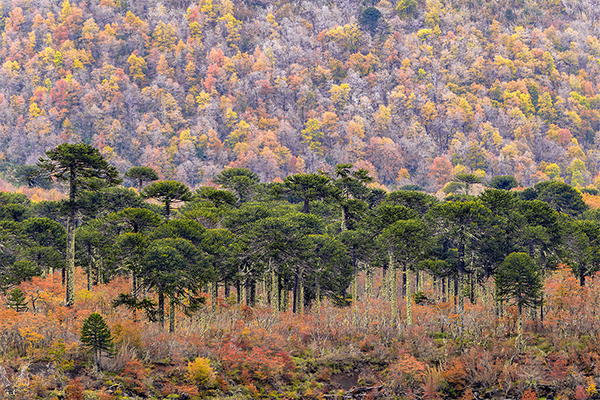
[{"x": 232, "y": 351}]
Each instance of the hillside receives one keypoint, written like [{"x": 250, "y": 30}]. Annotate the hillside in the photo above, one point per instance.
[{"x": 412, "y": 91}]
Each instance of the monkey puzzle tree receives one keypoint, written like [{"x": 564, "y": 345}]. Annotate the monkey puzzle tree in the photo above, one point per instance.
[
  {"x": 240, "y": 181},
  {"x": 167, "y": 192},
  {"x": 96, "y": 336},
  {"x": 307, "y": 187},
  {"x": 141, "y": 175},
  {"x": 82, "y": 167},
  {"x": 518, "y": 280}
]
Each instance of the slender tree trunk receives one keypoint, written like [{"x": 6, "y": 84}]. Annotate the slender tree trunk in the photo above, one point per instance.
[
  {"x": 344, "y": 214},
  {"x": 542, "y": 308},
  {"x": 89, "y": 277},
  {"x": 393, "y": 287},
  {"x": 354, "y": 282},
  {"x": 172, "y": 314},
  {"x": 248, "y": 292},
  {"x": 455, "y": 291},
  {"x": 404, "y": 282},
  {"x": 274, "y": 290},
  {"x": 408, "y": 298},
  {"x": 317, "y": 293},
  {"x": 97, "y": 359},
  {"x": 214, "y": 295},
  {"x": 252, "y": 299},
  {"x": 444, "y": 282},
  {"x": 368, "y": 281},
  {"x": 461, "y": 274},
  {"x": 286, "y": 299},
  {"x": 295, "y": 292},
  {"x": 134, "y": 293},
  {"x": 519, "y": 327},
  {"x": 70, "y": 267},
  {"x": 384, "y": 291},
  {"x": 167, "y": 210},
  {"x": 301, "y": 296},
  {"x": 472, "y": 288},
  {"x": 161, "y": 310},
  {"x": 227, "y": 289}
]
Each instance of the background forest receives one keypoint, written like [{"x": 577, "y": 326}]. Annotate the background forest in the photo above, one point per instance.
[
  {"x": 316, "y": 287},
  {"x": 412, "y": 91}
]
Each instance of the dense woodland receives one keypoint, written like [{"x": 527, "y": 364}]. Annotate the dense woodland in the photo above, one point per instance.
[
  {"x": 249, "y": 216},
  {"x": 412, "y": 90},
  {"x": 321, "y": 286}
]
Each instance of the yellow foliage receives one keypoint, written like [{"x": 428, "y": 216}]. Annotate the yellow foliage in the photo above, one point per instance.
[{"x": 200, "y": 372}]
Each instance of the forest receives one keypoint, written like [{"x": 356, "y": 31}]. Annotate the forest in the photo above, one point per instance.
[
  {"x": 299, "y": 199},
  {"x": 412, "y": 91},
  {"x": 321, "y": 286}
]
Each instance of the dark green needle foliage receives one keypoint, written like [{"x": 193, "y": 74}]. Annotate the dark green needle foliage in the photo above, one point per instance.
[
  {"x": 97, "y": 338},
  {"x": 518, "y": 281},
  {"x": 241, "y": 181},
  {"x": 141, "y": 175},
  {"x": 167, "y": 192},
  {"x": 17, "y": 300},
  {"x": 503, "y": 182}
]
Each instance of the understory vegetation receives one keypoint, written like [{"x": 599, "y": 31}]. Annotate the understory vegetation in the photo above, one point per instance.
[{"x": 235, "y": 351}]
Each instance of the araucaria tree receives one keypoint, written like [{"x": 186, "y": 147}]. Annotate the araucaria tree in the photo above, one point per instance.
[
  {"x": 518, "y": 281},
  {"x": 82, "y": 167},
  {"x": 96, "y": 336}
]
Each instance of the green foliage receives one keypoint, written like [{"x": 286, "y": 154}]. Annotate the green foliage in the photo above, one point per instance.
[
  {"x": 96, "y": 337},
  {"x": 18, "y": 272},
  {"x": 369, "y": 18},
  {"x": 518, "y": 280},
  {"x": 17, "y": 300},
  {"x": 241, "y": 181},
  {"x": 29, "y": 175},
  {"x": 167, "y": 192},
  {"x": 504, "y": 182},
  {"x": 79, "y": 164},
  {"x": 141, "y": 175}
]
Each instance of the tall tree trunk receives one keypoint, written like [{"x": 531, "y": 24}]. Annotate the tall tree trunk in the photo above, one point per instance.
[
  {"x": 227, "y": 289},
  {"x": 295, "y": 291},
  {"x": 274, "y": 290},
  {"x": 161, "y": 309},
  {"x": 89, "y": 277},
  {"x": 404, "y": 281},
  {"x": 70, "y": 267},
  {"x": 301, "y": 296},
  {"x": 214, "y": 295},
  {"x": 461, "y": 274},
  {"x": 97, "y": 359},
  {"x": 384, "y": 291},
  {"x": 393, "y": 287},
  {"x": 317, "y": 293},
  {"x": 408, "y": 298},
  {"x": 238, "y": 291},
  {"x": 172, "y": 314},
  {"x": 472, "y": 288},
  {"x": 354, "y": 281},
  {"x": 519, "y": 327},
  {"x": 285, "y": 293},
  {"x": 542, "y": 308},
  {"x": 167, "y": 210},
  {"x": 368, "y": 281}
]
